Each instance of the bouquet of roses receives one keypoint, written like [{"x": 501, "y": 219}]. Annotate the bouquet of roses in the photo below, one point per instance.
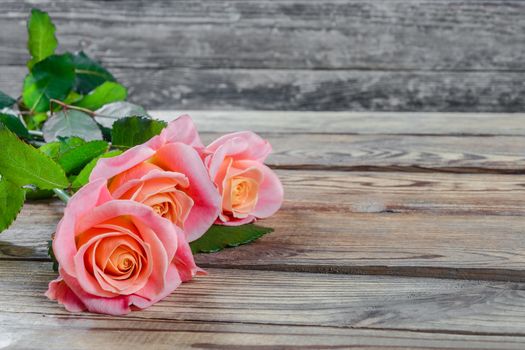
[{"x": 142, "y": 196}]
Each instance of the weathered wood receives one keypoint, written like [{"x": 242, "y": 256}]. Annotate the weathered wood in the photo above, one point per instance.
[
  {"x": 277, "y": 298},
  {"x": 436, "y": 193},
  {"x": 380, "y": 35},
  {"x": 65, "y": 332},
  {"x": 385, "y": 123},
  {"x": 498, "y": 154},
  {"x": 271, "y": 89},
  {"x": 439, "y": 225}
]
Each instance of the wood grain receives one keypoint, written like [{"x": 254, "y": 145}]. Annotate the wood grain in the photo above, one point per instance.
[
  {"x": 66, "y": 332},
  {"x": 295, "y": 55},
  {"x": 292, "y": 299},
  {"x": 499, "y": 154},
  {"x": 439, "y": 225},
  {"x": 380, "y": 35},
  {"x": 363, "y": 123},
  {"x": 315, "y": 90}
]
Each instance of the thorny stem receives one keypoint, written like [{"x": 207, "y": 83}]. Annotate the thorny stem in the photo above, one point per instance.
[
  {"x": 66, "y": 106},
  {"x": 64, "y": 197}
]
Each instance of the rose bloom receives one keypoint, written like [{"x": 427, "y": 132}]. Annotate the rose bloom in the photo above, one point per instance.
[
  {"x": 249, "y": 189},
  {"x": 167, "y": 174},
  {"x": 116, "y": 255}
]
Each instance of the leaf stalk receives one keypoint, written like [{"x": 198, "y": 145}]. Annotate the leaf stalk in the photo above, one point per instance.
[{"x": 64, "y": 197}]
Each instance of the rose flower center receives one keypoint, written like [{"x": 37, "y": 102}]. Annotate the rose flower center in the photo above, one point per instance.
[
  {"x": 163, "y": 191},
  {"x": 115, "y": 256},
  {"x": 161, "y": 208},
  {"x": 243, "y": 194}
]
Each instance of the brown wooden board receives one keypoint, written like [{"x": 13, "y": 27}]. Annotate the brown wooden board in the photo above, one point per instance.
[
  {"x": 444, "y": 225},
  {"x": 476, "y": 154},
  {"x": 287, "y": 299}
]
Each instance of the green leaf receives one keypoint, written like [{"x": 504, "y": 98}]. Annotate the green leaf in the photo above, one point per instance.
[
  {"x": 83, "y": 177},
  {"x": 89, "y": 73},
  {"x": 219, "y": 237},
  {"x": 6, "y": 101},
  {"x": 56, "y": 149},
  {"x": 69, "y": 123},
  {"x": 13, "y": 123},
  {"x": 37, "y": 194},
  {"x": 52, "y": 78},
  {"x": 51, "y": 255},
  {"x": 132, "y": 131},
  {"x": 34, "y": 122},
  {"x": 23, "y": 164},
  {"x": 72, "y": 98},
  {"x": 75, "y": 159},
  {"x": 106, "y": 93},
  {"x": 11, "y": 202},
  {"x": 41, "y": 37},
  {"x": 108, "y": 114}
]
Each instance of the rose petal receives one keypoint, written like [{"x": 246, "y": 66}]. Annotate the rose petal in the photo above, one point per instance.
[
  {"x": 271, "y": 193},
  {"x": 64, "y": 247},
  {"x": 242, "y": 145},
  {"x": 59, "y": 291},
  {"x": 181, "y": 158},
  {"x": 107, "y": 168},
  {"x": 154, "y": 181},
  {"x": 229, "y": 221},
  {"x": 119, "y": 305},
  {"x": 184, "y": 261},
  {"x": 182, "y": 130}
]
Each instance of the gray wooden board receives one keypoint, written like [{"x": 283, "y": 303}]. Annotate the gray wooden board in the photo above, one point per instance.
[
  {"x": 66, "y": 332},
  {"x": 380, "y": 35},
  {"x": 301, "y": 89},
  {"x": 362, "y": 123},
  {"x": 295, "y": 55}
]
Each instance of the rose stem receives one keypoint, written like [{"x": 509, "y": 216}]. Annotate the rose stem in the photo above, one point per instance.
[
  {"x": 66, "y": 106},
  {"x": 64, "y": 197}
]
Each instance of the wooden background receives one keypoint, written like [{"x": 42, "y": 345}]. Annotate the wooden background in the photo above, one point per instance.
[
  {"x": 397, "y": 232},
  {"x": 382, "y": 55}
]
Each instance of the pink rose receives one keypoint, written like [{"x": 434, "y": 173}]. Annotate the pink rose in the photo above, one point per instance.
[
  {"x": 167, "y": 174},
  {"x": 249, "y": 189},
  {"x": 115, "y": 255}
]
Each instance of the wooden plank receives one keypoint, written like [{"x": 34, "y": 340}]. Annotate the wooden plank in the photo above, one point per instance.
[
  {"x": 500, "y": 154},
  {"x": 435, "y": 193},
  {"x": 438, "y": 225},
  {"x": 382, "y": 35},
  {"x": 374, "y": 123},
  {"x": 65, "y": 332},
  {"x": 293, "y": 299},
  {"x": 317, "y": 90}
]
